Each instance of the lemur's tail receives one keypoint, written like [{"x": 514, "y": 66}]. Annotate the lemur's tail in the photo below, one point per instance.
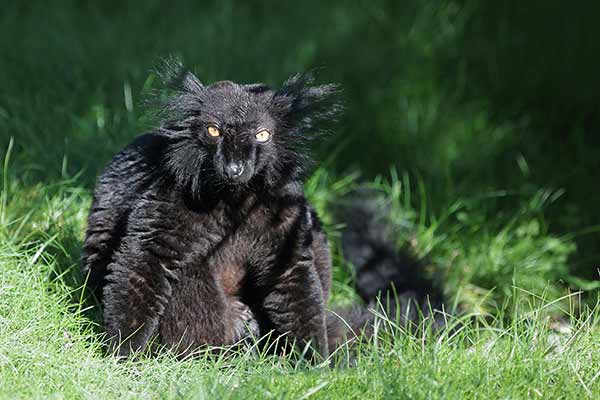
[{"x": 386, "y": 277}]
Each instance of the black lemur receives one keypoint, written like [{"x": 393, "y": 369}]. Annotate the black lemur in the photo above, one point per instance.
[{"x": 199, "y": 231}]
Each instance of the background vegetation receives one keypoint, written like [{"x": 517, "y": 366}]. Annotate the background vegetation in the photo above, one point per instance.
[{"x": 477, "y": 121}]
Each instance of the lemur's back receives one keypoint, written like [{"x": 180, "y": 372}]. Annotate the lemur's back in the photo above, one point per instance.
[{"x": 123, "y": 180}]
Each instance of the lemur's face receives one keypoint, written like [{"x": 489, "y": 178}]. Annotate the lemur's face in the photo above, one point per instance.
[
  {"x": 231, "y": 135},
  {"x": 239, "y": 132}
]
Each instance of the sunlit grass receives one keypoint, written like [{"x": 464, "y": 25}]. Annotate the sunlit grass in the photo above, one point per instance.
[{"x": 50, "y": 343}]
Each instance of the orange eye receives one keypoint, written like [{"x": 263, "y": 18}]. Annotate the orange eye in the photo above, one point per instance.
[
  {"x": 213, "y": 131},
  {"x": 263, "y": 136}
]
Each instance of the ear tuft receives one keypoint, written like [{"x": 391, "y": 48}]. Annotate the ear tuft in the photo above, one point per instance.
[
  {"x": 179, "y": 96},
  {"x": 176, "y": 77},
  {"x": 306, "y": 107}
]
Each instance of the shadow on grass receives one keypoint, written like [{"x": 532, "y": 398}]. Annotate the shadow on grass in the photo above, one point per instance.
[{"x": 66, "y": 270}]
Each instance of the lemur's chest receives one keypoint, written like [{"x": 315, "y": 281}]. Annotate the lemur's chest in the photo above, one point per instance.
[
  {"x": 235, "y": 246},
  {"x": 243, "y": 227}
]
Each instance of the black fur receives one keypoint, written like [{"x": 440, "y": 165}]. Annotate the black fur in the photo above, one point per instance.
[
  {"x": 385, "y": 276},
  {"x": 367, "y": 243},
  {"x": 182, "y": 252}
]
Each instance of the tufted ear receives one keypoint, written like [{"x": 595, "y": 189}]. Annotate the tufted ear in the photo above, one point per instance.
[
  {"x": 304, "y": 107},
  {"x": 176, "y": 77},
  {"x": 180, "y": 95}
]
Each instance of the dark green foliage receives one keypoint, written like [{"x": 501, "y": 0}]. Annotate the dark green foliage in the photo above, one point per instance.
[
  {"x": 469, "y": 95},
  {"x": 493, "y": 108}
]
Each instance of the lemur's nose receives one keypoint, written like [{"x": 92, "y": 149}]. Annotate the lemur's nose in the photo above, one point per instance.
[{"x": 234, "y": 170}]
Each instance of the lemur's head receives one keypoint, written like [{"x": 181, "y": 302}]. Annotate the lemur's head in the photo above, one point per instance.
[{"x": 233, "y": 135}]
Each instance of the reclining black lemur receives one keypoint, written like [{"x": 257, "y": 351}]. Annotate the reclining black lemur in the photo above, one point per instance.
[{"x": 199, "y": 232}]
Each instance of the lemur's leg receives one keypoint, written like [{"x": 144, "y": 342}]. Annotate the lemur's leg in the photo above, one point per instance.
[
  {"x": 146, "y": 299},
  {"x": 157, "y": 288},
  {"x": 202, "y": 313}
]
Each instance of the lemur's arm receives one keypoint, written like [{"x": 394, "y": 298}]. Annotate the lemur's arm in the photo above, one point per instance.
[
  {"x": 295, "y": 299},
  {"x": 296, "y": 308},
  {"x": 138, "y": 287}
]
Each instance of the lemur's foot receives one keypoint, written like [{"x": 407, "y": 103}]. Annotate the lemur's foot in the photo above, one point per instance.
[{"x": 246, "y": 326}]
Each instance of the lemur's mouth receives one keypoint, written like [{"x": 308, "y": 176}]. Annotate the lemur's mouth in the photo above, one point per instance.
[
  {"x": 234, "y": 170},
  {"x": 236, "y": 173}
]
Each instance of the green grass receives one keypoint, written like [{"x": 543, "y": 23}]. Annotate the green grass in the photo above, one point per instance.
[
  {"x": 49, "y": 346},
  {"x": 505, "y": 220}
]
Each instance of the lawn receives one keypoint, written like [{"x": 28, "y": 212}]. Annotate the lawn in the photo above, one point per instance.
[
  {"x": 50, "y": 347},
  {"x": 469, "y": 184}
]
